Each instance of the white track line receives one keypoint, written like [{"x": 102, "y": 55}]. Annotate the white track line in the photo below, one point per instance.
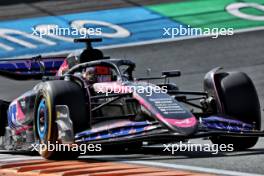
[
  {"x": 193, "y": 168},
  {"x": 2, "y": 161},
  {"x": 138, "y": 43},
  {"x": 9, "y": 158}
]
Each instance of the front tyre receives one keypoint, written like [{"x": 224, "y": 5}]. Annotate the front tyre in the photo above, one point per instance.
[
  {"x": 54, "y": 93},
  {"x": 239, "y": 100}
]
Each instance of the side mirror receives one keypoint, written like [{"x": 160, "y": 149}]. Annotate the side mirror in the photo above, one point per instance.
[{"x": 171, "y": 73}]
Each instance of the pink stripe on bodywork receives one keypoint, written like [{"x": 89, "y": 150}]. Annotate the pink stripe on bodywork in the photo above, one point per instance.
[
  {"x": 22, "y": 129},
  {"x": 20, "y": 115},
  {"x": 183, "y": 123}
]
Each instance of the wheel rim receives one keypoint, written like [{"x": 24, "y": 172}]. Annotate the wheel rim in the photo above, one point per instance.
[{"x": 42, "y": 119}]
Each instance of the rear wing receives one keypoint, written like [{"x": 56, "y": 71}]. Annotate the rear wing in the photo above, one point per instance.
[{"x": 30, "y": 68}]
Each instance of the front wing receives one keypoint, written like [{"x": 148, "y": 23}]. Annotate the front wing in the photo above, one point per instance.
[{"x": 156, "y": 133}]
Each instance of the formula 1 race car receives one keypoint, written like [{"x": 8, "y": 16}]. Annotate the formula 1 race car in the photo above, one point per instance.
[{"x": 93, "y": 99}]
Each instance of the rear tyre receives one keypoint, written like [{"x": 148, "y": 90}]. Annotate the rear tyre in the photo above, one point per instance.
[
  {"x": 54, "y": 93},
  {"x": 240, "y": 100}
]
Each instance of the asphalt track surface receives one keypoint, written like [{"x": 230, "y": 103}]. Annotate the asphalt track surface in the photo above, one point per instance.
[{"x": 242, "y": 52}]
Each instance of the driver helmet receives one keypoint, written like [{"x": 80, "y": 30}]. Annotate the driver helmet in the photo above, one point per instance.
[{"x": 97, "y": 74}]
